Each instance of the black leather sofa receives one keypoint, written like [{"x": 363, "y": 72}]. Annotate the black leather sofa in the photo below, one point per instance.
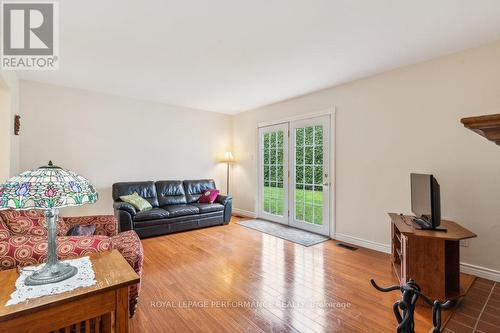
[{"x": 175, "y": 207}]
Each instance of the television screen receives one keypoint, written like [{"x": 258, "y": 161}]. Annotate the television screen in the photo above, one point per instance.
[
  {"x": 425, "y": 199},
  {"x": 421, "y": 204}
]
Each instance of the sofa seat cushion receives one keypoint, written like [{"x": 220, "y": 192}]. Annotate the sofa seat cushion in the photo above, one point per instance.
[
  {"x": 181, "y": 210},
  {"x": 208, "y": 207},
  {"x": 31, "y": 250},
  {"x": 151, "y": 214}
]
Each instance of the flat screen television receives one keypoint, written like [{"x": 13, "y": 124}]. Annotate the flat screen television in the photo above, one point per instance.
[{"x": 425, "y": 201}]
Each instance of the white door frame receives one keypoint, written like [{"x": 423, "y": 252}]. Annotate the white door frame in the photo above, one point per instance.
[
  {"x": 333, "y": 188},
  {"x": 261, "y": 213}
]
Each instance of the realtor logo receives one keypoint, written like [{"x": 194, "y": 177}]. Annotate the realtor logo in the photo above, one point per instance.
[{"x": 30, "y": 35}]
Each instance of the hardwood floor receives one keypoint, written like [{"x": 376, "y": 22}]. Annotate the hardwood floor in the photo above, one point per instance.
[{"x": 234, "y": 279}]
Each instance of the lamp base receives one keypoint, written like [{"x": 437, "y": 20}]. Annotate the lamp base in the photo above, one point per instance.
[{"x": 51, "y": 274}]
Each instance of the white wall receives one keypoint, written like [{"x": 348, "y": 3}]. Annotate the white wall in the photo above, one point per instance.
[
  {"x": 389, "y": 125},
  {"x": 9, "y": 106},
  {"x": 5, "y": 130},
  {"x": 109, "y": 139}
]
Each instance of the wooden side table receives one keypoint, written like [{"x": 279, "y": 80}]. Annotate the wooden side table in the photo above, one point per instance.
[
  {"x": 102, "y": 307},
  {"x": 430, "y": 258}
]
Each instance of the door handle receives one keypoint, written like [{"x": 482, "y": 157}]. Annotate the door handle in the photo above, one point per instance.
[{"x": 326, "y": 184}]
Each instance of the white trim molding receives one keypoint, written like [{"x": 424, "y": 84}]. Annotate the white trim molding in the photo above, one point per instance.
[
  {"x": 363, "y": 243},
  {"x": 244, "y": 213},
  {"x": 483, "y": 272},
  {"x": 326, "y": 112}
]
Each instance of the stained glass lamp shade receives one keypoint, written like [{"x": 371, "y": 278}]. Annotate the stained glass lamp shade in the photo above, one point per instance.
[{"x": 48, "y": 188}]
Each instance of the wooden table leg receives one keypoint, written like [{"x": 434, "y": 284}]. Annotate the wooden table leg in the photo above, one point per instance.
[
  {"x": 106, "y": 323},
  {"x": 121, "y": 314}
]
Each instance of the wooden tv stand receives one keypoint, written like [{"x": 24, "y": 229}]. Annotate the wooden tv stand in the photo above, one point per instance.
[{"x": 430, "y": 258}]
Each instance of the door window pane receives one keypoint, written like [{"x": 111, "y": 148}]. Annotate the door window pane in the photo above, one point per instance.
[
  {"x": 318, "y": 155},
  {"x": 318, "y": 135},
  {"x": 273, "y": 139},
  {"x": 318, "y": 175},
  {"x": 299, "y": 137},
  {"x": 308, "y": 213},
  {"x": 273, "y": 172},
  {"x": 299, "y": 156},
  {"x": 279, "y": 140},
  {"x": 279, "y": 156},
  {"x": 266, "y": 141},
  {"x": 309, "y": 155},
  {"x": 272, "y": 176},
  {"x": 279, "y": 173},
  {"x": 272, "y": 156},
  {"x": 309, "y": 174},
  {"x": 299, "y": 175},
  {"x": 299, "y": 206},
  {"x": 279, "y": 198},
  {"x": 266, "y": 156},
  {"x": 309, "y": 136},
  {"x": 318, "y": 215}
]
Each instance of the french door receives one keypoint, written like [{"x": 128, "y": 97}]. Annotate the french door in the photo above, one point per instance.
[{"x": 294, "y": 176}]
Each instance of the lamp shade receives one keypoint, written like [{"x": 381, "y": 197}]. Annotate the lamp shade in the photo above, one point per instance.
[
  {"x": 45, "y": 188},
  {"x": 228, "y": 156}
]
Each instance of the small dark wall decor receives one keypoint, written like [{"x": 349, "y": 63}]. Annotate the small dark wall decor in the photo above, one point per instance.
[{"x": 17, "y": 124}]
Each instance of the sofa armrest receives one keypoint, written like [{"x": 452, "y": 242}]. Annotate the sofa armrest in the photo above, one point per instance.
[
  {"x": 130, "y": 246},
  {"x": 223, "y": 199},
  {"x": 124, "y": 213},
  {"x": 122, "y": 205},
  {"x": 227, "y": 201},
  {"x": 106, "y": 225}
]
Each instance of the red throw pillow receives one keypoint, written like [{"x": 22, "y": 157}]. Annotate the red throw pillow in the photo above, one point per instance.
[{"x": 208, "y": 196}]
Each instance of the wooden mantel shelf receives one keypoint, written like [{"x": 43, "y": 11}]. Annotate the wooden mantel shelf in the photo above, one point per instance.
[{"x": 487, "y": 126}]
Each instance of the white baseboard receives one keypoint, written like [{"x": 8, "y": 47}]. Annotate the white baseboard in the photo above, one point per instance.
[
  {"x": 245, "y": 213},
  {"x": 483, "y": 272},
  {"x": 363, "y": 243}
]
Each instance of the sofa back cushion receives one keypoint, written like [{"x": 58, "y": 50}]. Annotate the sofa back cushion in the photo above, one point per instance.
[
  {"x": 147, "y": 190},
  {"x": 170, "y": 192},
  {"x": 194, "y": 188},
  {"x": 25, "y": 222}
]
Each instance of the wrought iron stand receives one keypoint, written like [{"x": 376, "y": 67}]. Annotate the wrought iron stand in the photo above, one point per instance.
[{"x": 404, "y": 309}]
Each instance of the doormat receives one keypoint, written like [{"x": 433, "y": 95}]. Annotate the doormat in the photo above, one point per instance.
[{"x": 291, "y": 234}]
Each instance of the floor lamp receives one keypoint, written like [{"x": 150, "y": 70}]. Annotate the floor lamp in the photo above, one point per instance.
[{"x": 228, "y": 159}]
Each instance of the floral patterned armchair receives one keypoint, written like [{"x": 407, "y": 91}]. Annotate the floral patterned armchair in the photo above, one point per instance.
[{"x": 23, "y": 241}]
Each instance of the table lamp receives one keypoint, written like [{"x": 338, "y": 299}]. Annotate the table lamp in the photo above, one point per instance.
[
  {"x": 228, "y": 159},
  {"x": 48, "y": 188}
]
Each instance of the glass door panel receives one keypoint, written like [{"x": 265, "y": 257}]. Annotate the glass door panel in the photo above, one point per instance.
[
  {"x": 273, "y": 180},
  {"x": 309, "y": 183}
]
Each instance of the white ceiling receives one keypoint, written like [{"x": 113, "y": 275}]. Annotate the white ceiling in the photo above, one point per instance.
[{"x": 234, "y": 55}]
